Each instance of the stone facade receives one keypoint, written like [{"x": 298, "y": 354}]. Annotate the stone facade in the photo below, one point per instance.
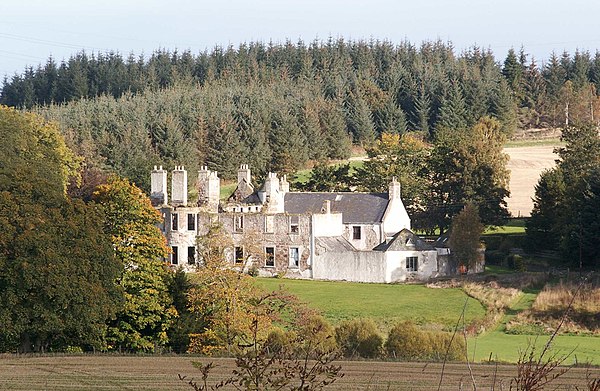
[{"x": 361, "y": 237}]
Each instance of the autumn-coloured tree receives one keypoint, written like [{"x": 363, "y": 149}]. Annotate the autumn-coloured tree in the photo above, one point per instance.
[{"x": 130, "y": 219}]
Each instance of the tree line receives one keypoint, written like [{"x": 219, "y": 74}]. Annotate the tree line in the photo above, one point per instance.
[
  {"x": 272, "y": 106},
  {"x": 566, "y": 211}
]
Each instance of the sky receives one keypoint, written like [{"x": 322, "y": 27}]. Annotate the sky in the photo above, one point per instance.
[{"x": 32, "y": 30}]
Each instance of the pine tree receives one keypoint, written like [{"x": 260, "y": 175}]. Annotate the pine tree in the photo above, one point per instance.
[{"x": 453, "y": 112}]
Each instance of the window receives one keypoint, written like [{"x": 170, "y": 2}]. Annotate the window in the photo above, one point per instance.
[
  {"x": 174, "y": 222},
  {"x": 269, "y": 224},
  {"x": 270, "y": 256},
  {"x": 174, "y": 255},
  {"x": 238, "y": 223},
  {"x": 294, "y": 227},
  {"x": 294, "y": 256},
  {"x": 191, "y": 255},
  {"x": 412, "y": 264},
  {"x": 356, "y": 232},
  {"x": 239, "y": 255},
  {"x": 191, "y": 222}
]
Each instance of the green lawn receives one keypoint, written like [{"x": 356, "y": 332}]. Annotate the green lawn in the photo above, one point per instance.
[
  {"x": 508, "y": 347},
  {"x": 512, "y": 227},
  {"x": 384, "y": 303}
]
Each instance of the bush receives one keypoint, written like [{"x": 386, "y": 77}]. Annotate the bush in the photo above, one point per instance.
[
  {"x": 359, "y": 337},
  {"x": 516, "y": 262},
  {"x": 253, "y": 271},
  {"x": 406, "y": 342},
  {"x": 278, "y": 340},
  {"x": 316, "y": 334}
]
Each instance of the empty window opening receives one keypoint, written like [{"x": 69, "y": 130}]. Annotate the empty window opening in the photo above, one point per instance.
[
  {"x": 174, "y": 255},
  {"x": 239, "y": 255},
  {"x": 175, "y": 222},
  {"x": 294, "y": 225},
  {"x": 238, "y": 223},
  {"x": 412, "y": 264},
  {"x": 191, "y": 223},
  {"x": 294, "y": 256},
  {"x": 191, "y": 255},
  {"x": 356, "y": 232},
  {"x": 270, "y": 256}
]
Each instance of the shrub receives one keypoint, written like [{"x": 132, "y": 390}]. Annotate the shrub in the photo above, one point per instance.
[
  {"x": 359, "y": 337},
  {"x": 253, "y": 271},
  {"x": 278, "y": 340},
  {"x": 516, "y": 262},
  {"x": 406, "y": 342},
  {"x": 317, "y": 334}
]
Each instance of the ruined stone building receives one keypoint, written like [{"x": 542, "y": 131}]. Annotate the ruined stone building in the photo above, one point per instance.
[{"x": 362, "y": 237}]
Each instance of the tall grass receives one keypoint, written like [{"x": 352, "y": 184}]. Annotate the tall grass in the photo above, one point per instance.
[{"x": 557, "y": 298}]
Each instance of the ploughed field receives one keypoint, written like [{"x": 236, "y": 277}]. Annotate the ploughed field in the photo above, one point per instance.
[
  {"x": 526, "y": 164},
  {"x": 161, "y": 373}
]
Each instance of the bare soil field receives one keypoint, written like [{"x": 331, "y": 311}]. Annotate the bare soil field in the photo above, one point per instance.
[
  {"x": 526, "y": 164},
  {"x": 161, "y": 373}
]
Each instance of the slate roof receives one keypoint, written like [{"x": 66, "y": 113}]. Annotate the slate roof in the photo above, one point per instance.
[
  {"x": 335, "y": 244},
  {"x": 402, "y": 242},
  {"x": 359, "y": 208}
]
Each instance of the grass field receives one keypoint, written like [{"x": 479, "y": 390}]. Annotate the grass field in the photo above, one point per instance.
[
  {"x": 388, "y": 303},
  {"x": 512, "y": 227},
  {"x": 385, "y": 303},
  {"x": 160, "y": 373}
]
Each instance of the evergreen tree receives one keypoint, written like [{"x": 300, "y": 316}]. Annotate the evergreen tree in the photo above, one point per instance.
[{"x": 453, "y": 113}]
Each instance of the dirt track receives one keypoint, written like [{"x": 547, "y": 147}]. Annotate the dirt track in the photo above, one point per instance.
[{"x": 526, "y": 164}]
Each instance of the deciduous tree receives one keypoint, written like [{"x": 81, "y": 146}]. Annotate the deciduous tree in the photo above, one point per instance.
[{"x": 142, "y": 322}]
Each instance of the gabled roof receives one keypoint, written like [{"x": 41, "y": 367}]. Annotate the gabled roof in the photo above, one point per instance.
[
  {"x": 442, "y": 241},
  {"x": 358, "y": 208},
  {"x": 404, "y": 240}
]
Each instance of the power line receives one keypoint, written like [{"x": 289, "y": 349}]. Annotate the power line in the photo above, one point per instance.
[{"x": 46, "y": 42}]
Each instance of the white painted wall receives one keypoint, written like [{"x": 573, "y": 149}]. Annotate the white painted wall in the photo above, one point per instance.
[
  {"x": 395, "y": 218},
  {"x": 327, "y": 224},
  {"x": 358, "y": 266},
  {"x": 396, "y": 265}
]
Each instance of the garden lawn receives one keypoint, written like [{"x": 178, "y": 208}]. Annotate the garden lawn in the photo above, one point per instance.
[
  {"x": 507, "y": 347},
  {"x": 386, "y": 304}
]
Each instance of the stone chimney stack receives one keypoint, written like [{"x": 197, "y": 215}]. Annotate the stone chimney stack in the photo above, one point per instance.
[
  {"x": 209, "y": 189},
  {"x": 284, "y": 185},
  {"x": 179, "y": 186},
  {"x": 394, "y": 191},
  {"x": 271, "y": 184},
  {"x": 271, "y": 195},
  {"x": 158, "y": 187},
  {"x": 244, "y": 174}
]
